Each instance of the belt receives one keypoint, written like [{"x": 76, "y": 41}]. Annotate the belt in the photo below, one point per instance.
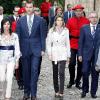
[
  {"x": 75, "y": 37},
  {"x": 7, "y": 48}
]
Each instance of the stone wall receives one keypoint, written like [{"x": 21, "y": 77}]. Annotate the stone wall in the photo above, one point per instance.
[
  {"x": 88, "y": 4},
  {"x": 98, "y": 6}
]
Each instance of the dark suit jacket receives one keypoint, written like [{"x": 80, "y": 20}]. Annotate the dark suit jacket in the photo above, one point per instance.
[
  {"x": 97, "y": 44},
  {"x": 87, "y": 44},
  {"x": 99, "y": 21},
  {"x": 11, "y": 18},
  {"x": 66, "y": 16},
  {"x": 52, "y": 21},
  {"x": 35, "y": 42}
]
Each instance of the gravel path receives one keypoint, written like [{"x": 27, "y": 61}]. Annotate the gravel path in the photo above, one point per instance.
[{"x": 45, "y": 86}]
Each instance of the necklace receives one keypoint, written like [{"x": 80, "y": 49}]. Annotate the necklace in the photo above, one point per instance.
[{"x": 6, "y": 37}]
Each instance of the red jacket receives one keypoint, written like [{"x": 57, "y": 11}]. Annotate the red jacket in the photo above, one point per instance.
[
  {"x": 74, "y": 25},
  {"x": 13, "y": 26},
  {"x": 45, "y": 6}
]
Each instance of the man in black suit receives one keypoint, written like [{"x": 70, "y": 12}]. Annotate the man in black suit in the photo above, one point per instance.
[
  {"x": 69, "y": 13},
  {"x": 15, "y": 15},
  {"x": 87, "y": 46}
]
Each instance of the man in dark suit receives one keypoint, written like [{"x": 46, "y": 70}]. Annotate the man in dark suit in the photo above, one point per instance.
[
  {"x": 15, "y": 15},
  {"x": 69, "y": 13},
  {"x": 52, "y": 10},
  {"x": 32, "y": 34},
  {"x": 87, "y": 45}
]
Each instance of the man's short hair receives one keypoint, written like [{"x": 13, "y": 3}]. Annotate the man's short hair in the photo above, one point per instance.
[
  {"x": 95, "y": 12},
  {"x": 69, "y": 5}
]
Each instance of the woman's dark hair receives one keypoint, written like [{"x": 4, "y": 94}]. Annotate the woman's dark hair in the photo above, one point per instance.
[
  {"x": 2, "y": 24},
  {"x": 59, "y": 7}
]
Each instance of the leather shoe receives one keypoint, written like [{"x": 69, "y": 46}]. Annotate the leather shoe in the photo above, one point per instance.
[
  {"x": 79, "y": 87},
  {"x": 26, "y": 97},
  {"x": 70, "y": 85},
  {"x": 94, "y": 96},
  {"x": 83, "y": 95},
  {"x": 21, "y": 87},
  {"x": 33, "y": 98}
]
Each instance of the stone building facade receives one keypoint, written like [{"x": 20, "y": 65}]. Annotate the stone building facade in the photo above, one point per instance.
[{"x": 89, "y": 5}]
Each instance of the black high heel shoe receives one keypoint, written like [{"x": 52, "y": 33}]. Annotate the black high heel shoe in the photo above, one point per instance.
[{"x": 21, "y": 87}]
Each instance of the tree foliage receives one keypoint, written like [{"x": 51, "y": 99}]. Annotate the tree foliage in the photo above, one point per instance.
[{"x": 9, "y": 4}]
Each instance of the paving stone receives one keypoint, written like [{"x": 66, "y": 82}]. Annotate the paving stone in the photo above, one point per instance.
[{"x": 45, "y": 86}]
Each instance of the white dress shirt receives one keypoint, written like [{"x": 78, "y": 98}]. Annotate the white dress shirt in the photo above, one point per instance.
[
  {"x": 91, "y": 26},
  {"x": 15, "y": 17},
  {"x": 69, "y": 14},
  {"x": 32, "y": 17},
  {"x": 30, "y": 22}
]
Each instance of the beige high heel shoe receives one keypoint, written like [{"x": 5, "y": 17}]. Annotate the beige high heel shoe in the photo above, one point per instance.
[
  {"x": 7, "y": 98},
  {"x": 61, "y": 96}
]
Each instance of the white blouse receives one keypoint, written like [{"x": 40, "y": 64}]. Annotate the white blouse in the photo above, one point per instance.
[
  {"x": 58, "y": 45},
  {"x": 9, "y": 55}
]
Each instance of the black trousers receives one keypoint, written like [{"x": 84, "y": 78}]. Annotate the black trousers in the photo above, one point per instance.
[
  {"x": 19, "y": 75},
  {"x": 72, "y": 65},
  {"x": 39, "y": 70},
  {"x": 87, "y": 69},
  {"x": 47, "y": 20},
  {"x": 59, "y": 72}
]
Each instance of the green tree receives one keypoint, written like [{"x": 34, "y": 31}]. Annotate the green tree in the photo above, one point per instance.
[{"x": 8, "y": 5}]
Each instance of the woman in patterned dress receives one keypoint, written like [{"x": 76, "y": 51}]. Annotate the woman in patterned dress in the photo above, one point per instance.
[{"x": 9, "y": 56}]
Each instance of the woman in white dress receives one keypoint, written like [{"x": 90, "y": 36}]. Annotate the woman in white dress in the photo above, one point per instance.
[
  {"x": 9, "y": 56},
  {"x": 58, "y": 50}
]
